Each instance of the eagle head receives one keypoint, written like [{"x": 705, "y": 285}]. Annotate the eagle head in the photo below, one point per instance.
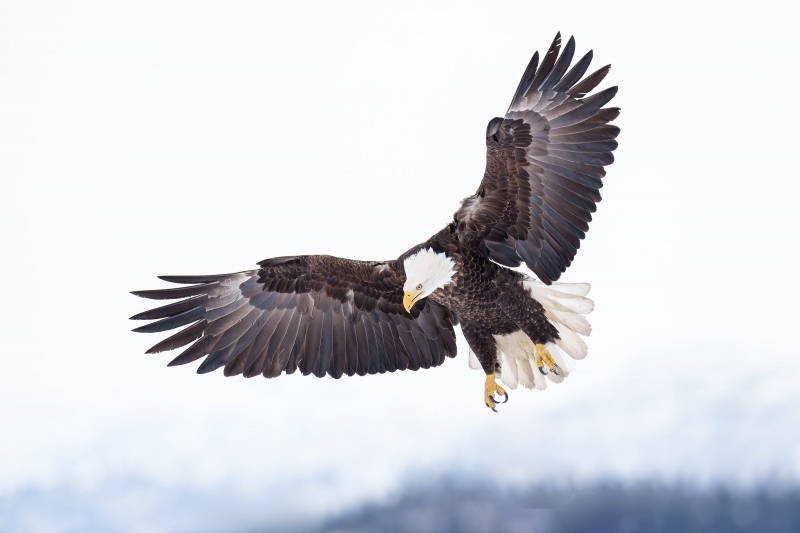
[{"x": 426, "y": 271}]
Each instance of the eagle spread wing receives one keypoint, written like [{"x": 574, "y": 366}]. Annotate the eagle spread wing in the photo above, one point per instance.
[
  {"x": 544, "y": 167},
  {"x": 319, "y": 314}
]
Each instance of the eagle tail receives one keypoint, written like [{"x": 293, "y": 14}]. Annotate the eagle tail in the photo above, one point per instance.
[
  {"x": 565, "y": 305},
  {"x": 522, "y": 362}
]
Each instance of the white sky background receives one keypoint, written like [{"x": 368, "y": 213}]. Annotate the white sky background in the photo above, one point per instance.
[{"x": 146, "y": 138}]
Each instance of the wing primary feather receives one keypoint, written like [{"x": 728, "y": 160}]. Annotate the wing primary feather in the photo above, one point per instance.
[
  {"x": 602, "y": 133},
  {"x": 171, "y": 309},
  {"x": 547, "y": 64},
  {"x": 595, "y": 147},
  {"x": 589, "y": 108},
  {"x": 182, "y": 338},
  {"x": 176, "y": 321},
  {"x": 214, "y": 361},
  {"x": 575, "y": 73},
  {"x": 204, "y": 279},
  {"x": 176, "y": 293},
  {"x": 560, "y": 67},
  {"x": 525, "y": 82},
  {"x": 587, "y": 158},
  {"x": 603, "y": 117},
  {"x": 593, "y": 80},
  {"x": 202, "y": 347}
]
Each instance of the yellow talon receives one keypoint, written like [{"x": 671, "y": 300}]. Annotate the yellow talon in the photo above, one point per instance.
[
  {"x": 492, "y": 391},
  {"x": 500, "y": 390},
  {"x": 543, "y": 357}
]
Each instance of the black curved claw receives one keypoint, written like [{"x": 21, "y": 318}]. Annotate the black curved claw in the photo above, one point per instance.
[
  {"x": 506, "y": 395},
  {"x": 492, "y": 398},
  {"x": 490, "y": 407}
]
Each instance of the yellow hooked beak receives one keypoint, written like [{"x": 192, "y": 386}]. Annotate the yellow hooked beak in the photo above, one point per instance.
[{"x": 409, "y": 299}]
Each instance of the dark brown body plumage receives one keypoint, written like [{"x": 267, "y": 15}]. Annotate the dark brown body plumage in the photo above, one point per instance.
[{"x": 325, "y": 315}]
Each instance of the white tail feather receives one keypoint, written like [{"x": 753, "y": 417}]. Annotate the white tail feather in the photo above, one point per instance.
[
  {"x": 573, "y": 321},
  {"x": 571, "y": 343},
  {"x": 564, "y": 305},
  {"x": 558, "y": 290},
  {"x": 508, "y": 371},
  {"x": 580, "y": 305},
  {"x": 539, "y": 382},
  {"x": 526, "y": 373},
  {"x": 567, "y": 364}
]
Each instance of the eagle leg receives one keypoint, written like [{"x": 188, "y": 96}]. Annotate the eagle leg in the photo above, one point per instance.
[{"x": 490, "y": 387}]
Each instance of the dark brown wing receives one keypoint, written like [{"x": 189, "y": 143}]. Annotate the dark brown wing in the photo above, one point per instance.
[
  {"x": 544, "y": 167},
  {"x": 319, "y": 314}
]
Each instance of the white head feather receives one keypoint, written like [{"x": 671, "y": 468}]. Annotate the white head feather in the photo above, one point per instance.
[{"x": 429, "y": 269}]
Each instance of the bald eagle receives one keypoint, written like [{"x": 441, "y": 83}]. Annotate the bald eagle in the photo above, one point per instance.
[{"x": 320, "y": 315}]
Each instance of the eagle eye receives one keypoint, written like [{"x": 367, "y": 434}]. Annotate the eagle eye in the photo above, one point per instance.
[{"x": 419, "y": 287}]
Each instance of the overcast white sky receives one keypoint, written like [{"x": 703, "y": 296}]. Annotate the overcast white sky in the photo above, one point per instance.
[{"x": 145, "y": 138}]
